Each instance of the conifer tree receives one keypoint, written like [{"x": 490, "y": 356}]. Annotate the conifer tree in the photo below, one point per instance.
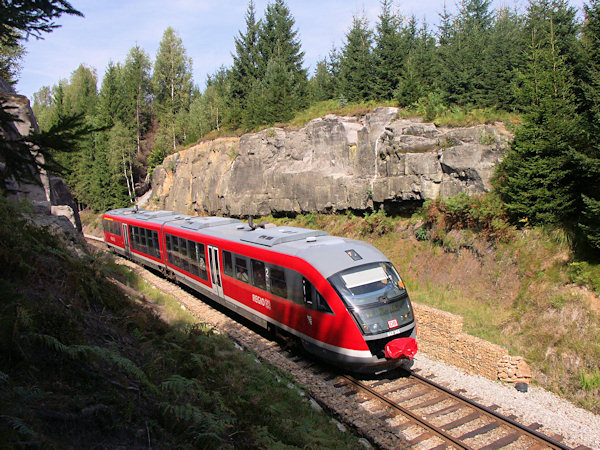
[
  {"x": 322, "y": 84},
  {"x": 356, "y": 62},
  {"x": 280, "y": 92},
  {"x": 278, "y": 40},
  {"x": 110, "y": 98},
  {"x": 172, "y": 82},
  {"x": 590, "y": 90},
  {"x": 388, "y": 54},
  {"x": 137, "y": 92},
  {"x": 464, "y": 56},
  {"x": 537, "y": 178},
  {"x": 11, "y": 57},
  {"x": 245, "y": 65},
  {"x": 417, "y": 73},
  {"x": 506, "y": 49}
]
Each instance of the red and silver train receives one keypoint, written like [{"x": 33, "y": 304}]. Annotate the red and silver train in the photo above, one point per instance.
[{"x": 342, "y": 298}]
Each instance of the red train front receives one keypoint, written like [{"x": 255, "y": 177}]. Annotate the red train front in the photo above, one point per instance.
[{"x": 341, "y": 297}]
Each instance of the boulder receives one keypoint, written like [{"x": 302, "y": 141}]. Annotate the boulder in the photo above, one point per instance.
[{"x": 331, "y": 164}]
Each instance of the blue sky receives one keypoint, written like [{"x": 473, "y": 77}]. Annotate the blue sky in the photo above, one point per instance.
[{"x": 207, "y": 27}]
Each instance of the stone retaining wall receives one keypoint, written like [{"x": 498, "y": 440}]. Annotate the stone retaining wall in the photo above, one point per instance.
[{"x": 440, "y": 335}]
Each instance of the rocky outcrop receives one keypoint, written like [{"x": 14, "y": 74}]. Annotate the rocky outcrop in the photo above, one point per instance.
[
  {"x": 332, "y": 164},
  {"x": 48, "y": 194}
]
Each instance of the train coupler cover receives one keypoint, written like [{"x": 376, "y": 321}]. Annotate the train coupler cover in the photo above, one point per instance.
[{"x": 401, "y": 348}]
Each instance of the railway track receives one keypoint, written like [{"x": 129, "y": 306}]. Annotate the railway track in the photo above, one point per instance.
[
  {"x": 402, "y": 410},
  {"x": 440, "y": 418}
]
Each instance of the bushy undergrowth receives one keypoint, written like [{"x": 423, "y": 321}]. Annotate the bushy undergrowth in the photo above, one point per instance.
[
  {"x": 433, "y": 109},
  {"x": 336, "y": 106},
  {"x": 484, "y": 215},
  {"x": 82, "y": 365}
]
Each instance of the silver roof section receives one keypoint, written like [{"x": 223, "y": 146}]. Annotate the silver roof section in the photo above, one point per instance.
[
  {"x": 328, "y": 254},
  {"x": 198, "y": 223},
  {"x": 280, "y": 235},
  {"x": 159, "y": 217}
]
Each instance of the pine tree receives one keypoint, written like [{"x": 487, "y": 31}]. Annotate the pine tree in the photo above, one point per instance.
[
  {"x": 110, "y": 98},
  {"x": 388, "y": 54},
  {"x": 417, "y": 73},
  {"x": 137, "y": 92},
  {"x": 506, "y": 49},
  {"x": 280, "y": 92},
  {"x": 590, "y": 91},
  {"x": 172, "y": 81},
  {"x": 464, "y": 56},
  {"x": 537, "y": 178},
  {"x": 322, "y": 84},
  {"x": 277, "y": 39},
  {"x": 81, "y": 93},
  {"x": 11, "y": 57},
  {"x": 356, "y": 73},
  {"x": 245, "y": 65}
]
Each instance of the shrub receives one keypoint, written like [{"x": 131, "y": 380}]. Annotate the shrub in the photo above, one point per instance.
[{"x": 483, "y": 214}]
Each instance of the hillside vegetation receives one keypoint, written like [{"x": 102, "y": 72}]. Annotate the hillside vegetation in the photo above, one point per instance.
[
  {"x": 525, "y": 289},
  {"x": 84, "y": 366},
  {"x": 537, "y": 68}
]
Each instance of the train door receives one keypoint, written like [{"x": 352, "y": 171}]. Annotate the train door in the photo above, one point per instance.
[
  {"x": 215, "y": 270},
  {"x": 125, "y": 238}
]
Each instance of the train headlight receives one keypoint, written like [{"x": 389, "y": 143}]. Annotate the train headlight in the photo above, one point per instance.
[{"x": 366, "y": 327}]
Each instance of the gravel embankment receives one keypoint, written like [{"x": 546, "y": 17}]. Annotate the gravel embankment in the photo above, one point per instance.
[{"x": 558, "y": 416}]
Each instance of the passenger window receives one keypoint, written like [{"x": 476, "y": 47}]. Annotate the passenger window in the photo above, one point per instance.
[
  {"x": 277, "y": 281},
  {"x": 185, "y": 261},
  {"x": 201, "y": 261},
  {"x": 313, "y": 298},
  {"x": 241, "y": 268},
  {"x": 320, "y": 303},
  {"x": 156, "y": 244},
  {"x": 294, "y": 286},
  {"x": 227, "y": 263},
  {"x": 258, "y": 275},
  {"x": 168, "y": 241},
  {"x": 193, "y": 258}
]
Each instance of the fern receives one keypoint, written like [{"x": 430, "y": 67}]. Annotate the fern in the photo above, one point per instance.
[
  {"x": 88, "y": 352},
  {"x": 178, "y": 385},
  {"x": 111, "y": 357},
  {"x": 186, "y": 412},
  {"x": 19, "y": 426}
]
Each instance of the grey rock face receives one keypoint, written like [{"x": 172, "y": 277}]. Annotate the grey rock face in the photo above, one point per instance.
[
  {"x": 331, "y": 164},
  {"x": 48, "y": 194}
]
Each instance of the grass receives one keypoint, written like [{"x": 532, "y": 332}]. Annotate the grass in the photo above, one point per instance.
[
  {"x": 82, "y": 364},
  {"x": 522, "y": 289}
]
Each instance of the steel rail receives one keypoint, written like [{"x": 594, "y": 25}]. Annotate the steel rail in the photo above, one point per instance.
[
  {"x": 496, "y": 415},
  {"x": 436, "y": 430}
]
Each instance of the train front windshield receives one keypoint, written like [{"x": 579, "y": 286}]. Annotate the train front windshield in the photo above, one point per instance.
[{"x": 376, "y": 296}]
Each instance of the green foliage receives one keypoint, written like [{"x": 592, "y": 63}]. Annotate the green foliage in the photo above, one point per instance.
[
  {"x": 81, "y": 363},
  {"x": 11, "y": 57},
  {"x": 356, "y": 63},
  {"x": 377, "y": 223},
  {"x": 484, "y": 214},
  {"x": 584, "y": 273},
  {"x": 19, "y": 20},
  {"x": 172, "y": 83},
  {"x": 431, "y": 106},
  {"x": 538, "y": 177},
  {"x": 590, "y": 380}
]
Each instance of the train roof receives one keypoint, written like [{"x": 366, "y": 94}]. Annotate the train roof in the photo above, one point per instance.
[{"x": 328, "y": 254}]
